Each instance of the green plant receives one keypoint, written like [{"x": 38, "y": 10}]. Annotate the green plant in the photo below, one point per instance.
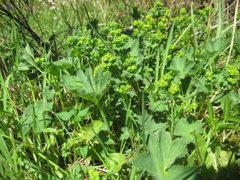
[{"x": 159, "y": 100}]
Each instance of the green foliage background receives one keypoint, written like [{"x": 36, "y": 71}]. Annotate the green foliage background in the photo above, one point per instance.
[{"x": 151, "y": 93}]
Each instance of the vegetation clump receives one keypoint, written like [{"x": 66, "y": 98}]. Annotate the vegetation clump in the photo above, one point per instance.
[{"x": 162, "y": 101}]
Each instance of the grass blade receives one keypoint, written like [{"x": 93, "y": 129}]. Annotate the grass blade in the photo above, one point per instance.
[{"x": 165, "y": 55}]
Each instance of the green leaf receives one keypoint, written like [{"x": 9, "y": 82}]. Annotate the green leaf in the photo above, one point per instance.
[
  {"x": 3, "y": 147},
  {"x": 63, "y": 63},
  {"x": 132, "y": 44},
  {"x": 48, "y": 93},
  {"x": 163, "y": 151},
  {"x": 88, "y": 86},
  {"x": 201, "y": 147},
  {"x": 134, "y": 48},
  {"x": 223, "y": 157},
  {"x": 36, "y": 116},
  {"x": 210, "y": 113},
  {"x": 72, "y": 83},
  {"x": 211, "y": 160},
  {"x": 217, "y": 45},
  {"x": 29, "y": 51},
  {"x": 28, "y": 56},
  {"x": 227, "y": 107},
  {"x": 186, "y": 130},
  {"x": 157, "y": 106},
  {"x": 66, "y": 116},
  {"x": 166, "y": 149},
  {"x": 225, "y": 125},
  {"x": 83, "y": 113},
  {"x": 182, "y": 66},
  {"x": 144, "y": 161},
  {"x": 88, "y": 132},
  {"x": 234, "y": 118},
  {"x": 84, "y": 151},
  {"x": 179, "y": 172},
  {"x": 114, "y": 162},
  {"x": 151, "y": 126},
  {"x": 23, "y": 67}
]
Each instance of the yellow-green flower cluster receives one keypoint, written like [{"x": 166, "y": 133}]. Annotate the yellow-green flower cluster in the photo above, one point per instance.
[
  {"x": 232, "y": 80},
  {"x": 189, "y": 106},
  {"x": 93, "y": 174},
  {"x": 130, "y": 63},
  {"x": 71, "y": 40},
  {"x": 179, "y": 53},
  {"x": 232, "y": 70},
  {"x": 204, "y": 12},
  {"x": 209, "y": 75},
  {"x": 158, "y": 10},
  {"x": 174, "y": 88},
  {"x": 183, "y": 11},
  {"x": 136, "y": 32},
  {"x": 109, "y": 58},
  {"x": 233, "y": 74},
  {"x": 101, "y": 66},
  {"x": 112, "y": 25},
  {"x": 138, "y": 24},
  {"x": 148, "y": 71},
  {"x": 164, "y": 81},
  {"x": 193, "y": 106},
  {"x": 115, "y": 32},
  {"x": 39, "y": 60},
  {"x": 85, "y": 40},
  {"x": 100, "y": 44},
  {"x": 95, "y": 54},
  {"x": 120, "y": 40},
  {"x": 123, "y": 88},
  {"x": 157, "y": 36},
  {"x": 143, "y": 25},
  {"x": 183, "y": 20},
  {"x": 148, "y": 23},
  {"x": 162, "y": 24}
]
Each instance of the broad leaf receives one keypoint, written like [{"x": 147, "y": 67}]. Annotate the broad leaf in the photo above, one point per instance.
[
  {"x": 36, "y": 116},
  {"x": 29, "y": 51},
  {"x": 88, "y": 132},
  {"x": 144, "y": 161},
  {"x": 163, "y": 151},
  {"x": 186, "y": 130},
  {"x": 133, "y": 44},
  {"x": 66, "y": 115},
  {"x": 151, "y": 126},
  {"x": 179, "y": 172},
  {"x": 63, "y": 63},
  {"x": 28, "y": 56},
  {"x": 88, "y": 86},
  {"x": 182, "y": 66},
  {"x": 166, "y": 150},
  {"x": 114, "y": 161},
  {"x": 217, "y": 45},
  {"x": 157, "y": 106}
]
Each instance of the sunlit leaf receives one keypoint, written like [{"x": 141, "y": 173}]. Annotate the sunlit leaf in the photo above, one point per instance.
[
  {"x": 186, "y": 130},
  {"x": 88, "y": 86},
  {"x": 63, "y": 63},
  {"x": 114, "y": 161},
  {"x": 182, "y": 66},
  {"x": 163, "y": 151}
]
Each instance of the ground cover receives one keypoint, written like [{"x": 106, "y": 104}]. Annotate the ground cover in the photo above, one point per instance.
[{"x": 154, "y": 96}]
